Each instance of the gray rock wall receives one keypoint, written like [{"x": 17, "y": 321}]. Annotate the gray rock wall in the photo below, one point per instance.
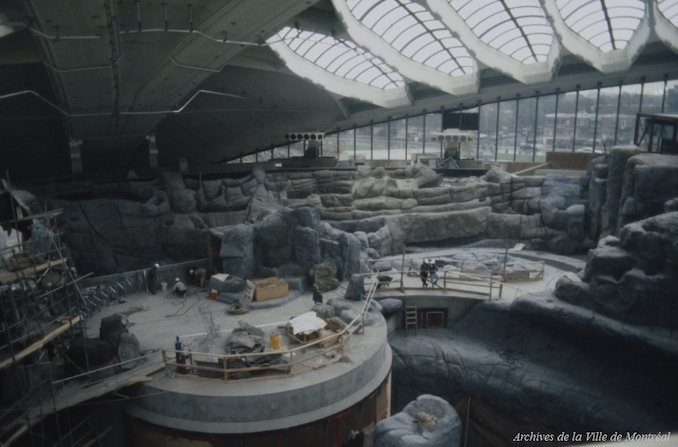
[
  {"x": 130, "y": 225},
  {"x": 539, "y": 359}
]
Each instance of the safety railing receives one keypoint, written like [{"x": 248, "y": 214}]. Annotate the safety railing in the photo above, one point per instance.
[{"x": 271, "y": 363}]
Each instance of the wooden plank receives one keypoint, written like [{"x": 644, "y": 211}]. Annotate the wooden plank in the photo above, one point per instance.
[
  {"x": 13, "y": 276},
  {"x": 39, "y": 344},
  {"x": 16, "y": 435}
]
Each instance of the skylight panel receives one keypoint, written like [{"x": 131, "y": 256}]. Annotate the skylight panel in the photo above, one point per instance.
[
  {"x": 522, "y": 22},
  {"x": 341, "y": 57},
  {"x": 669, "y": 9},
  {"x": 410, "y": 29},
  {"x": 607, "y": 24}
]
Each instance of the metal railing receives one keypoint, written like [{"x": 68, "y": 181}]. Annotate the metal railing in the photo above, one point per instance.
[{"x": 271, "y": 363}]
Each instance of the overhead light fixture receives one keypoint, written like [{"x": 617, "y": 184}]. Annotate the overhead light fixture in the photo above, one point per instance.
[{"x": 313, "y": 136}]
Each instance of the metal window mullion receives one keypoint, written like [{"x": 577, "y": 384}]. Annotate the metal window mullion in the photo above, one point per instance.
[
  {"x": 574, "y": 127},
  {"x": 555, "y": 121},
  {"x": 355, "y": 143},
  {"x": 534, "y": 134},
  {"x": 371, "y": 140},
  {"x": 407, "y": 133},
  {"x": 423, "y": 146},
  {"x": 442, "y": 124},
  {"x": 515, "y": 128},
  {"x": 478, "y": 138},
  {"x": 595, "y": 123},
  {"x": 642, "y": 92},
  {"x": 666, "y": 84},
  {"x": 616, "y": 125},
  {"x": 496, "y": 131},
  {"x": 388, "y": 138}
]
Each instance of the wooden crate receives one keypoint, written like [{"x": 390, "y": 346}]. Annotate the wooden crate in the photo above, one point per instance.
[{"x": 269, "y": 288}]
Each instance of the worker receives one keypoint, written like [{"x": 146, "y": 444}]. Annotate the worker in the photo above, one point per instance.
[
  {"x": 317, "y": 296},
  {"x": 423, "y": 273},
  {"x": 152, "y": 278},
  {"x": 433, "y": 272},
  {"x": 199, "y": 275},
  {"x": 179, "y": 288}
]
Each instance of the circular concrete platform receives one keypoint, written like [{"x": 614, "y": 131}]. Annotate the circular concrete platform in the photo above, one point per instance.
[{"x": 214, "y": 406}]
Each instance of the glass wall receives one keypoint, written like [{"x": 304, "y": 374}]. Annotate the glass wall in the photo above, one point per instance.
[
  {"x": 607, "y": 118},
  {"x": 330, "y": 145},
  {"x": 398, "y": 141},
  {"x": 521, "y": 128},
  {"x": 653, "y": 92},
  {"x": 380, "y": 142},
  {"x": 281, "y": 152},
  {"x": 434, "y": 123},
  {"x": 346, "y": 144},
  {"x": 363, "y": 143},
  {"x": 628, "y": 108},
  {"x": 526, "y": 135},
  {"x": 415, "y": 136},
  {"x": 671, "y": 101},
  {"x": 487, "y": 125},
  {"x": 297, "y": 149},
  {"x": 507, "y": 123}
]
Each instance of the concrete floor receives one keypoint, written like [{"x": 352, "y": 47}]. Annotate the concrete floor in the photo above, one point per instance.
[
  {"x": 156, "y": 320},
  {"x": 197, "y": 404}
]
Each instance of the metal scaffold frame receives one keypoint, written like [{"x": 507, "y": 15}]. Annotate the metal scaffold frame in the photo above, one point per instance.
[{"x": 43, "y": 309}]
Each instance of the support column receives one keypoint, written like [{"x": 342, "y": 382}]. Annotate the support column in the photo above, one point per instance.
[
  {"x": 152, "y": 150},
  {"x": 76, "y": 160}
]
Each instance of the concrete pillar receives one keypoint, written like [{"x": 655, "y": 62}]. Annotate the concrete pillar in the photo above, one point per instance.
[
  {"x": 152, "y": 150},
  {"x": 76, "y": 160}
]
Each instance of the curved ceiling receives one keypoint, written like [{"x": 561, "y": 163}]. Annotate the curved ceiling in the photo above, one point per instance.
[{"x": 219, "y": 79}]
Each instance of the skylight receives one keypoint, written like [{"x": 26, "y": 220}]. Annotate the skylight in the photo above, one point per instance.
[
  {"x": 517, "y": 28},
  {"x": 341, "y": 58},
  {"x": 669, "y": 9},
  {"x": 414, "y": 32},
  {"x": 606, "y": 24}
]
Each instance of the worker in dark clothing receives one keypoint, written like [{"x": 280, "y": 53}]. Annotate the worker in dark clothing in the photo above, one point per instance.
[
  {"x": 179, "y": 288},
  {"x": 423, "y": 273},
  {"x": 317, "y": 296},
  {"x": 153, "y": 278}
]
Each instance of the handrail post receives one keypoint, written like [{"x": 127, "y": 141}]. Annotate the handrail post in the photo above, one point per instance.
[{"x": 402, "y": 272}]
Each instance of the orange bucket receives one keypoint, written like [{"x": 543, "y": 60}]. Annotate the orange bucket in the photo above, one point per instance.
[{"x": 275, "y": 340}]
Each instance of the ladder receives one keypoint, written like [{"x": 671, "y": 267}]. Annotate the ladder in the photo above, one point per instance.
[{"x": 411, "y": 318}]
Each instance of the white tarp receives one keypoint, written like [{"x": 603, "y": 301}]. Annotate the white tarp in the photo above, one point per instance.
[{"x": 306, "y": 323}]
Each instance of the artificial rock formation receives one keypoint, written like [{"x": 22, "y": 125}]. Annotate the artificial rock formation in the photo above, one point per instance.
[
  {"x": 428, "y": 421},
  {"x": 633, "y": 278},
  {"x": 539, "y": 359},
  {"x": 304, "y": 218}
]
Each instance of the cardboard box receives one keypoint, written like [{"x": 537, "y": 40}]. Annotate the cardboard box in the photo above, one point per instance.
[{"x": 269, "y": 288}]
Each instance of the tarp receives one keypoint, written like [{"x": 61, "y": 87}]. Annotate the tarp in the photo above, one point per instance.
[{"x": 306, "y": 323}]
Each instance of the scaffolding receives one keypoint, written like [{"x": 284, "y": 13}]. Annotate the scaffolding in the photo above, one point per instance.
[{"x": 43, "y": 309}]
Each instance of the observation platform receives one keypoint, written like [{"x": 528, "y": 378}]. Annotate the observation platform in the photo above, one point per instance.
[
  {"x": 322, "y": 383},
  {"x": 319, "y": 386}
]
